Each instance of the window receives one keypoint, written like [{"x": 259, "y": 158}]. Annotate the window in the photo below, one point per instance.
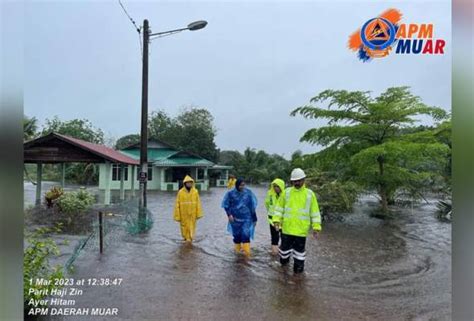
[
  {"x": 168, "y": 175},
  {"x": 117, "y": 172},
  {"x": 200, "y": 174},
  {"x": 150, "y": 172}
]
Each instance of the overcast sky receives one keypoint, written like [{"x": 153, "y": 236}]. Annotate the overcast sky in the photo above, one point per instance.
[{"x": 252, "y": 64}]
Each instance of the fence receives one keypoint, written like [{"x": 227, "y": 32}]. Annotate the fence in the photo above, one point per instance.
[{"x": 112, "y": 224}]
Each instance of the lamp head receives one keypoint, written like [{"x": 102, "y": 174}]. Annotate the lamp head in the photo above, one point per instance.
[{"x": 196, "y": 25}]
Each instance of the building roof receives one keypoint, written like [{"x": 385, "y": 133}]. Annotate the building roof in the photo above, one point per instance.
[
  {"x": 217, "y": 166},
  {"x": 183, "y": 161},
  {"x": 162, "y": 154},
  {"x": 57, "y": 148},
  {"x": 102, "y": 150},
  {"x": 153, "y": 154},
  {"x": 152, "y": 143}
]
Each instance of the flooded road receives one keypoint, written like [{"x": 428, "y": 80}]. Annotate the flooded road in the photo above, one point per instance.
[{"x": 360, "y": 269}]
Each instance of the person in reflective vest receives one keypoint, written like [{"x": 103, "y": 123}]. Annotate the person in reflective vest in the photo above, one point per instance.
[
  {"x": 187, "y": 209},
  {"x": 277, "y": 189},
  {"x": 240, "y": 205},
  {"x": 296, "y": 213}
]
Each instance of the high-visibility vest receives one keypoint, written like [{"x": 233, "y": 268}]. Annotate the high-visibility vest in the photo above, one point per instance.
[
  {"x": 271, "y": 200},
  {"x": 297, "y": 212}
]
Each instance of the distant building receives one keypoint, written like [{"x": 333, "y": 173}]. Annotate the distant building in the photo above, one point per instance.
[{"x": 167, "y": 166}]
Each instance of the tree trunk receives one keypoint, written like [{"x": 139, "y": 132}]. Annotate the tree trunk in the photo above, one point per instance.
[{"x": 382, "y": 190}]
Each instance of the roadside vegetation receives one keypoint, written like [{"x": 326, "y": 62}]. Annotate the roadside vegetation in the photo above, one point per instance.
[{"x": 392, "y": 145}]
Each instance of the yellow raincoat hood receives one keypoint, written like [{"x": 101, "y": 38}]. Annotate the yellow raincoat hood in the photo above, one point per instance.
[
  {"x": 280, "y": 183},
  {"x": 272, "y": 198},
  {"x": 188, "y": 178}
]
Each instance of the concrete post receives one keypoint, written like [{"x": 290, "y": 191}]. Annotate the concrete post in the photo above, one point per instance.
[
  {"x": 39, "y": 175},
  {"x": 162, "y": 179},
  {"x": 132, "y": 183},
  {"x": 63, "y": 175},
  {"x": 108, "y": 179},
  {"x": 122, "y": 182},
  {"x": 206, "y": 180}
]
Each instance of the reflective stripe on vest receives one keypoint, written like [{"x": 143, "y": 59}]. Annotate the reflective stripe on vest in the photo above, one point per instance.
[
  {"x": 316, "y": 217},
  {"x": 308, "y": 201},
  {"x": 304, "y": 218},
  {"x": 277, "y": 209}
]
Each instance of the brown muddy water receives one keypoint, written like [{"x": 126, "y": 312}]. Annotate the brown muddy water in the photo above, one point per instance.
[{"x": 360, "y": 269}]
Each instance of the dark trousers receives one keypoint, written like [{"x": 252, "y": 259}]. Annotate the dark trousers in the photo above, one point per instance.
[
  {"x": 293, "y": 245},
  {"x": 275, "y": 235}
]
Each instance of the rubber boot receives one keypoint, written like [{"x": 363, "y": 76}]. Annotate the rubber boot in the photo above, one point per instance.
[
  {"x": 298, "y": 266},
  {"x": 246, "y": 248},
  {"x": 237, "y": 247}
]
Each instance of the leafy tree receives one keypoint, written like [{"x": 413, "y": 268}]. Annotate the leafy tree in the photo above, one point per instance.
[
  {"x": 256, "y": 166},
  {"x": 364, "y": 138},
  {"x": 443, "y": 134},
  {"x": 191, "y": 130},
  {"x": 229, "y": 157},
  {"x": 30, "y": 128},
  {"x": 127, "y": 140},
  {"x": 161, "y": 126},
  {"x": 77, "y": 128}
]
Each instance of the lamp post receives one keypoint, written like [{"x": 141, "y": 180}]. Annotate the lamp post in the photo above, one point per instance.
[{"x": 143, "y": 175}]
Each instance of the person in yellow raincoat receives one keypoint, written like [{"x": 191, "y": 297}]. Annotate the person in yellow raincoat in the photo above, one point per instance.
[
  {"x": 231, "y": 182},
  {"x": 188, "y": 208}
]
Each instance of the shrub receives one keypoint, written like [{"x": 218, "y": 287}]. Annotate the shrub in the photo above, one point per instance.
[
  {"x": 75, "y": 202},
  {"x": 85, "y": 196},
  {"x": 334, "y": 196},
  {"x": 52, "y": 195},
  {"x": 36, "y": 265}
]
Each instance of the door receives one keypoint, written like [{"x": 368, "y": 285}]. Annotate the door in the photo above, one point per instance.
[{"x": 178, "y": 174}]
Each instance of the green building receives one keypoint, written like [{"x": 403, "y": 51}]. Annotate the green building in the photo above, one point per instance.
[{"x": 167, "y": 166}]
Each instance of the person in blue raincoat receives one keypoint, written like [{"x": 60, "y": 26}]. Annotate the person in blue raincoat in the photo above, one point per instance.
[{"x": 240, "y": 205}]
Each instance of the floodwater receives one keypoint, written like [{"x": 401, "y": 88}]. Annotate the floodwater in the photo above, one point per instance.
[{"x": 360, "y": 269}]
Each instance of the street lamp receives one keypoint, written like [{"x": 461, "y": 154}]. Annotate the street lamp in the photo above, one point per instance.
[{"x": 143, "y": 176}]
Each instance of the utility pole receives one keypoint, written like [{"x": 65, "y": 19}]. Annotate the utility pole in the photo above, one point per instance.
[{"x": 143, "y": 176}]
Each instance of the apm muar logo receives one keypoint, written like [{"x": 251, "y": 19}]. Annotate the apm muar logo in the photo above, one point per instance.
[{"x": 379, "y": 36}]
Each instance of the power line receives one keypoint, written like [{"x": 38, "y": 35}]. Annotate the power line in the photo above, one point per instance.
[
  {"x": 140, "y": 41},
  {"x": 135, "y": 26},
  {"x": 133, "y": 21}
]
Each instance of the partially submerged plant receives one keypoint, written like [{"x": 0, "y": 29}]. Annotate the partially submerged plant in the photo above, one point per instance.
[
  {"x": 445, "y": 210},
  {"x": 52, "y": 195},
  {"x": 36, "y": 267},
  {"x": 75, "y": 202}
]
